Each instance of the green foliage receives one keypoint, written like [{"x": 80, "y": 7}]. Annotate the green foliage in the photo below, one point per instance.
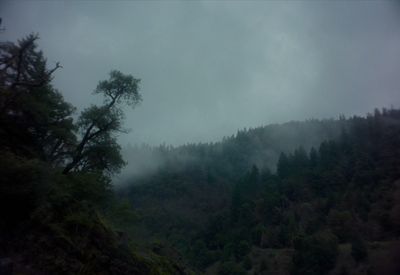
[
  {"x": 35, "y": 120},
  {"x": 315, "y": 254},
  {"x": 247, "y": 264},
  {"x": 341, "y": 224},
  {"x": 230, "y": 268},
  {"x": 52, "y": 222},
  {"x": 121, "y": 214},
  {"x": 201, "y": 255},
  {"x": 345, "y": 184},
  {"x": 97, "y": 150},
  {"x": 120, "y": 88},
  {"x": 23, "y": 187},
  {"x": 241, "y": 249},
  {"x": 283, "y": 165},
  {"x": 93, "y": 188}
]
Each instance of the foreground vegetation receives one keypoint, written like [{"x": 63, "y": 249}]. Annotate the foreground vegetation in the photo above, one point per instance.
[
  {"x": 314, "y": 197},
  {"x": 59, "y": 214}
]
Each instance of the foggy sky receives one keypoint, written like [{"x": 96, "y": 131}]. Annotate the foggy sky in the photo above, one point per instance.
[{"x": 210, "y": 68}]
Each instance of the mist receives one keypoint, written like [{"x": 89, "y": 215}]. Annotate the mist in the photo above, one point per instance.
[
  {"x": 260, "y": 147},
  {"x": 211, "y": 68},
  {"x": 199, "y": 137}
]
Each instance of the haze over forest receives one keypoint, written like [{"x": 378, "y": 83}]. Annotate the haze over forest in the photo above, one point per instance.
[
  {"x": 200, "y": 137},
  {"x": 208, "y": 69}
]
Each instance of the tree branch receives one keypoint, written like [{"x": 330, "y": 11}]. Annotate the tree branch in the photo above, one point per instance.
[{"x": 78, "y": 156}]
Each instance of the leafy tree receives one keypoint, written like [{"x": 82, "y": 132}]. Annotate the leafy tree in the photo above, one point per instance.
[
  {"x": 53, "y": 222},
  {"x": 36, "y": 128},
  {"x": 97, "y": 149},
  {"x": 37, "y": 131},
  {"x": 35, "y": 120}
]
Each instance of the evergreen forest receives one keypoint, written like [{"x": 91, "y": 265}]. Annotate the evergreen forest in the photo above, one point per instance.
[{"x": 320, "y": 196}]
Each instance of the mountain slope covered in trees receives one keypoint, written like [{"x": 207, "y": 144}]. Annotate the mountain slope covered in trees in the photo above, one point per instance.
[
  {"x": 331, "y": 205},
  {"x": 313, "y": 197}
]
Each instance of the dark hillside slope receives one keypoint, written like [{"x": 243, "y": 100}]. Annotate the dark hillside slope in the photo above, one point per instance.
[
  {"x": 343, "y": 191},
  {"x": 191, "y": 181}
]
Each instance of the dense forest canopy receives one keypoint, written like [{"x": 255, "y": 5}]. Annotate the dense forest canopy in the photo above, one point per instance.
[
  {"x": 220, "y": 209},
  {"x": 234, "y": 154},
  {"x": 310, "y": 184},
  {"x": 301, "y": 192}
]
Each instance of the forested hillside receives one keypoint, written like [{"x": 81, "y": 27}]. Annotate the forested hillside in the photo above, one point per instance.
[
  {"x": 234, "y": 155},
  {"x": 331, "y": 205},
  {"x": 312, "y": 197},
  {"x": 59, "y": 214},
  {"x": 199, "y": 137}
]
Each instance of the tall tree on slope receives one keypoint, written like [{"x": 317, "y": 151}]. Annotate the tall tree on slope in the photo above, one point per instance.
[{"x": 97, "y": 149}]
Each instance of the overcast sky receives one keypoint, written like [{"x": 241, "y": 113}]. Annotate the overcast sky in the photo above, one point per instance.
[{"x": 210, "y": 68}]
